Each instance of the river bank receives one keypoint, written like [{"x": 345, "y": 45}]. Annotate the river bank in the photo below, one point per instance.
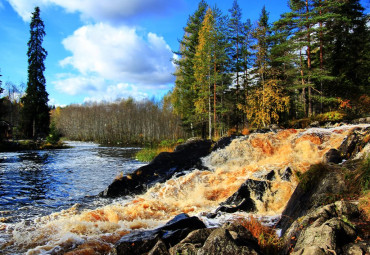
[{"x": 27, "y": 145}]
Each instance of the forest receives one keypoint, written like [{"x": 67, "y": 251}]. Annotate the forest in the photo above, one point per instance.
[{"x": 235, "y": 74}]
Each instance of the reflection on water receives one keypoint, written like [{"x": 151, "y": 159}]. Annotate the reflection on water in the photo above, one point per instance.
[{"x": 40, "y": 182}]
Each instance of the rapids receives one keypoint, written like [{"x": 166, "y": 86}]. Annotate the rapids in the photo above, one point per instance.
[{"x": 195, "y": 193}]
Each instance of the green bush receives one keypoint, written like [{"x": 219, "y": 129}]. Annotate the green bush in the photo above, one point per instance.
[
  {"x": 54, "y": 135},
  {"x": 146, "y": 154}
]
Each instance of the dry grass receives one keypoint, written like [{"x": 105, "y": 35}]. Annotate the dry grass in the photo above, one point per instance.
[{"x": 267, "y": 238}]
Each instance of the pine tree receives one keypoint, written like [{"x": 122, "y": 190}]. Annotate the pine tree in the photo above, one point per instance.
[
  {"x": 348, "y": 54},
  {"x": 183, "y": 96},
  {"x": 35, "y": 112},
  {"x": 238, "y": 35}
]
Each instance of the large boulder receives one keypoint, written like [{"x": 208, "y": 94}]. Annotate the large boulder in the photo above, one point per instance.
[
  {"x": 325, "y": 230},
  {"x": 157, "y": 240},
  {"x": 354, "y": 142},
  {"x": 323, "y": 183},
  {"x": 162, "y": 168},
  {"x": 242, "y": 199},
  {"x": 228, "y": 239}
]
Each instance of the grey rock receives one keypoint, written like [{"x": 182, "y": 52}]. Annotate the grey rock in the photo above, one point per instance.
[{"x": 159, "y": 249}]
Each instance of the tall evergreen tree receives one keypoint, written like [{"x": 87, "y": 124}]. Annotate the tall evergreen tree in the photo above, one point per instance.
[
  {"x": 183, "y": 96},
  {"x": 238, "y": 35},
  {"x": 348, "y": 54},
  {"x": 35, "y": 112}
]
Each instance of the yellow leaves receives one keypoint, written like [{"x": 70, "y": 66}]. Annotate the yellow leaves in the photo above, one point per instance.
[{"x": 265, "y": 103}]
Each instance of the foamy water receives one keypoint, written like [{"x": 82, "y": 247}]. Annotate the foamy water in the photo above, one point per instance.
[{"x": 196, "y": 193}]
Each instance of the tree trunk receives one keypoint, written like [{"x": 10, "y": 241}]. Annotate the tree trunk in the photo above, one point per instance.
[{"x": 308, "y": 60}]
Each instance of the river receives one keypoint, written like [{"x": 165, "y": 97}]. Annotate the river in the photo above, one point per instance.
[{"x": 37, "y": 183}]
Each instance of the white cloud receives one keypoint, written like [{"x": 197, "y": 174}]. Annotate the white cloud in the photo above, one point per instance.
[
  {"x": 120, "y": 54},
  {"x": 75, "y": 85},
  {"x": 118, "y": 91},
  {"x": 112, "y": 10}
]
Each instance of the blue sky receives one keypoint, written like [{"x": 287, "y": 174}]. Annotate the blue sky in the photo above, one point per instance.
[{"x": 104, "y": 50}]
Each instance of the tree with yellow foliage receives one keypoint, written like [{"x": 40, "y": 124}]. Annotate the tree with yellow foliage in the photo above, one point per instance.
[{"x": 265, "y": 104}]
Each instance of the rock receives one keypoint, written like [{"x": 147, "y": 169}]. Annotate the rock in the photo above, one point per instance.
[
  {"x": 230, "y": 240},
  {"x": 328, "y": 236},
  {"x": 184, "y": 248},
  {"x": 365, "y": 120},
  {"x": 315, "y": 124},
  {"x": 286, "y": 174},
  {"x": 311, "y": 250},
  {"x": 270, "y": 176},
  {"x": 332, "y": 156},
  {"x": 192, "y": 243},
  {"x": 326, "y": 229},
  {"x": 138, "y": 242},
  {"x": 223, "y": 142},
  {"x": 159, "y": 249},
  {"x": 358, "y": 248},
  {"x": 162, "y": 168},
  {"x": 241, "y": 200},
  {"x": 354, "y": 142},
  {"x": 309, "y": 196},
  {"x": 198, "y": 236}
]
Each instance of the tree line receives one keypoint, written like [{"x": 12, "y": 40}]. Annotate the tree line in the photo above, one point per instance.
[
  {"x": 232, "y": 74},
  {"x": 124, "y": 122}
]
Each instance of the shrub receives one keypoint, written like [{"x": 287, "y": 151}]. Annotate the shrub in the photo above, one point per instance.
[
  {"x": 54, "y": 135},
  {"x": 267, "y": 237}
]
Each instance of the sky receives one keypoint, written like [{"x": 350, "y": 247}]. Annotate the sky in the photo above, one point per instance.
[{"x": 106, "y": 50}]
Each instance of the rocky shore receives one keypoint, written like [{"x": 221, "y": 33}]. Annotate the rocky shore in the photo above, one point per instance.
[{"x": 321, "y": 217}]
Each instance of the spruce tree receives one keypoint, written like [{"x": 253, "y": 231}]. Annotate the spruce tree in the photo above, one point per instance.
[
  {"x": 239, "y": 54},
  {"x": 35, "y": 111},
  {"x": 348, "y": 54}
]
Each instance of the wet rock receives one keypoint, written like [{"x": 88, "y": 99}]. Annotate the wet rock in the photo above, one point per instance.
[
  {"x": 333, "y": 156},
  {"x": 241, "y": 200},
  {"x": 223, "y": 142},
  {"x": 270, "y": 176},
  {"x": 286, "y": 174},
  {"x": 170, "y": 234},
  {"x": 137, "y": 242},
  {"x": 365, "y": 120},
  {"x": 162, "y": 168},
  {"x": 315, "y": 124},
  {"x": 354, "y": 142}
]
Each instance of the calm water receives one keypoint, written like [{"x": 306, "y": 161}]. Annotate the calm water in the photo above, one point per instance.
[{"x": 36, "y": 183}]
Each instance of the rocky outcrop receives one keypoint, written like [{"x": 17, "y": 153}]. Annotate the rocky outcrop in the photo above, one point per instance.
[
  {"x": 354, "y": 142},
  {"x": 326, "y": 230},
  {"x": 162, "y": 168},
  {"x": 139, "y": 242},
  {"x": 241, "y": 200},
  {"x": 188, "y": 235},
  {"x": 324, "y": 183}
]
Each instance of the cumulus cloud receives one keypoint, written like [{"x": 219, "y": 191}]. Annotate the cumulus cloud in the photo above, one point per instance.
[
  {"x": 117, "y": 91},
  {"x": 74, "y": 85},
  {"x": 120, "y": 54},
  {"x": 98, "y": 10},
  {"x": 97, "y": 88}
]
